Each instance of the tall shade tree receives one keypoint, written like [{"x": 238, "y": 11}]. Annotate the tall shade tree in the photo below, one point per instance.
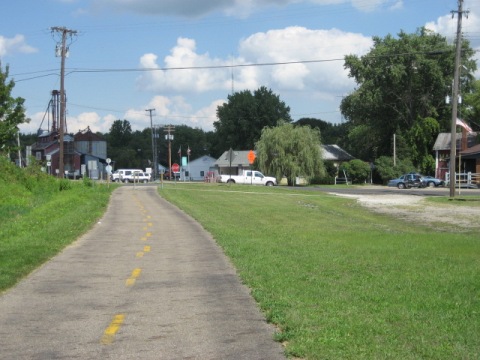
[
  {"x": 119, "y": 147},
  {"x": 242, "y": 118},
  {"x": 422, "y": 136},
  {"x": 120, "y": 133},
  {"x": 400, "y": 80},
  {"x": 470, "y": 109},
  {"x": 290, "y": 151},
  {"x": 12, "y": 113}
]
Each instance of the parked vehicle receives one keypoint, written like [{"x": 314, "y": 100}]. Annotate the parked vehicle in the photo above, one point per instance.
[
  {"x": 430, "y": 181},
  {"x": 124, "y": 175},
  {"x": 169, "y": 175},
  {"x": 408, "y": 181},
  {"x": 142, "y": 177},
  {"x": 249, "y": 177}
]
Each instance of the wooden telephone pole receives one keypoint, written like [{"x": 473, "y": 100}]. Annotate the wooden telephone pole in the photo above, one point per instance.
[
  {"x": 62, "y": 52},
  {"x": 456, "y": 76}
]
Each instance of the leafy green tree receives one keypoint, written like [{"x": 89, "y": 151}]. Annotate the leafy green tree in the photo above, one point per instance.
[
  {"x": 358, "y": 171},
  {"x": 422, "y": 137},
  {"x": 242, "y": 118},
  {"x": 331, "y": 133},
  {"x": 120, "y": 133},
  {"x": 399, "y": 80},
  {"x": 118, "y": 144},
  {"x": 470, "y": 110},
  {"x": 12, "y": 113},
  {"x": 290, "y": 151},
  {"x": 386, "y": 170}
]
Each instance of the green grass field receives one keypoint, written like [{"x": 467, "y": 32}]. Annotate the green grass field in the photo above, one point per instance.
[
  {"x": 341, "y": 282},
  {"x": 39, "y": 216}
]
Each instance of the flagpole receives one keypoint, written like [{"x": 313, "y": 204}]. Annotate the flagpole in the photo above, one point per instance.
[
  {"x": 188, "y": 159},
  {"x": 180, "y": 160}
]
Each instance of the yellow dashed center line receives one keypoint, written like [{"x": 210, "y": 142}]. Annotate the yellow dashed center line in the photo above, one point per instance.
[
  {"x": 135, "y": 274},
  {"x": 146, "y": 248},
  {"x": 112, "y": 329}
]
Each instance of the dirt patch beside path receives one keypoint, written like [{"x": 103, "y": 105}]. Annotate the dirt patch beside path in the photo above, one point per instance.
[{"x": 447, "y": 217}]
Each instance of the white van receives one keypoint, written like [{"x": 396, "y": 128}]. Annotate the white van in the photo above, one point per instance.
[{"x": 124, "y": 175}]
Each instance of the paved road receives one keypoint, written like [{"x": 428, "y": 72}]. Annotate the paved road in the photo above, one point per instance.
[{"x": 126, "y": 290}]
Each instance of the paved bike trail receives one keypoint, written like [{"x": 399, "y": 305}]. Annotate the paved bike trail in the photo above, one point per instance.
[{"x": 147, "y": 282}]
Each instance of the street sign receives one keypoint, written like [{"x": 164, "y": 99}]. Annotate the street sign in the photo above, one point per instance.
[
  {"x": 251, "y": 157},
  {"x": 175, "y": 167}
]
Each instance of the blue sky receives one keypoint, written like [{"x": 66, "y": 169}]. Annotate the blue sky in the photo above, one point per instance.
[{"x": 119, "y": 42}]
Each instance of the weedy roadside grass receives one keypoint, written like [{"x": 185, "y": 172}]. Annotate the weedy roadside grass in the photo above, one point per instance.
[
  {"x": 39, "y": 216},
  {"x": 341, "y": 282}
]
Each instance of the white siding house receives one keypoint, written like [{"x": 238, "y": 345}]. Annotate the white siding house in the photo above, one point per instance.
[{"x": 197, "y": 169}]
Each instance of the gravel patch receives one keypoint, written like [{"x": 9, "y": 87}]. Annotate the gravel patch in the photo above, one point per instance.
[{"x": 444, "y": 217}]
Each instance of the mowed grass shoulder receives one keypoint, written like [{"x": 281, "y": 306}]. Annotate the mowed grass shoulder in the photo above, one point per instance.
[
  {"x": 37, "y": 220},
  {"x": 341, "y": 282}
]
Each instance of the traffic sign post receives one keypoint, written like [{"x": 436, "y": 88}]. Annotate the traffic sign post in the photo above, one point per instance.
[
  {"x": 175, "y": 169},
  {"x": 251, "y": 157}
]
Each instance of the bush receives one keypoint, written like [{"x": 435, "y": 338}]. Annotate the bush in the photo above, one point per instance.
[
  {"x": 358, "y": 171},
  {"x": 64, "y": 184},
  {"x": 385, "y": 169}
]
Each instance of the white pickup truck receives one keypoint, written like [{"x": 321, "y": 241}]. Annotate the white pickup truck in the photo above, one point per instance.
[{"x": 249, "y": 177}]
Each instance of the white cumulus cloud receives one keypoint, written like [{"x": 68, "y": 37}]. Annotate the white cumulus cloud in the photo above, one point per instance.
[
  {"x": 291, "y": 59},
  {"x": 447, "y": 27},
  {"x": 17, "y": 44}
]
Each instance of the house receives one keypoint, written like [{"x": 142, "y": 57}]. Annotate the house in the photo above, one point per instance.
[
  {"x": 198, "y": 169},
  {"x": 336, "y": 154},
  {"x": 468, "y": 153},
  {"x": 240, "y": 160}
]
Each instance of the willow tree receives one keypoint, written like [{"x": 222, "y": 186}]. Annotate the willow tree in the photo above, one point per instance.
[{"x": 290, "y": 151}]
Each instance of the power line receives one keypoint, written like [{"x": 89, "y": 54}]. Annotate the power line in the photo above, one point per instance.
[{"x": 226, "y": 66}]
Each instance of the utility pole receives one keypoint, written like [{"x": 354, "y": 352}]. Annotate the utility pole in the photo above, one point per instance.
[
  {"x": 169, "y": 129},
  {"x": 63, "y": 49},
  {"x": 154, "y": 152},
  {"x": 456, "y": 76}
]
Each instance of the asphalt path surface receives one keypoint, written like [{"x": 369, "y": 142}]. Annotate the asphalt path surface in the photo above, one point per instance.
[{"x": 147, "y": 282}]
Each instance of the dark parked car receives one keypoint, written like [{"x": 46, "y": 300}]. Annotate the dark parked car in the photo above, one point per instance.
[{"x": 408, "y": 181}]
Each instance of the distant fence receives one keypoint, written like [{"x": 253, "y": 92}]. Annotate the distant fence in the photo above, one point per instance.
[{"x": 468, "y": 180}]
